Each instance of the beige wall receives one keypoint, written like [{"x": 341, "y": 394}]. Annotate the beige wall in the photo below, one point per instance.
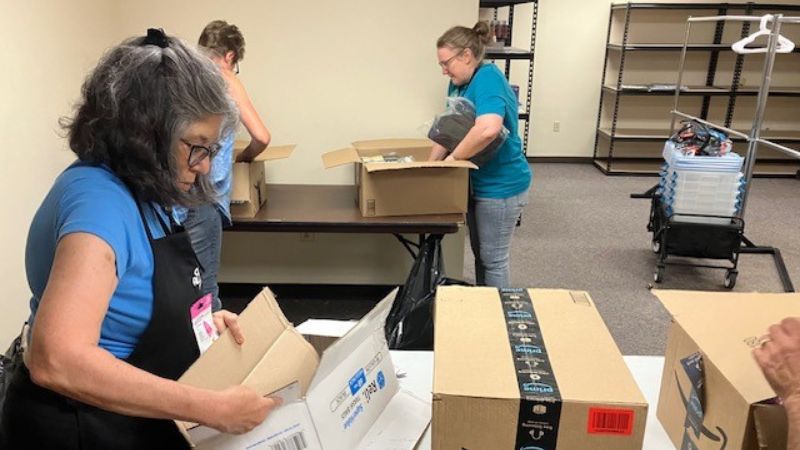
[{"x": 46, "y": 47}]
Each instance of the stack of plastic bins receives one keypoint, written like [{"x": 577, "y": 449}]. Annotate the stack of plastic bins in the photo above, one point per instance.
[{"x": 692, "y": 187}]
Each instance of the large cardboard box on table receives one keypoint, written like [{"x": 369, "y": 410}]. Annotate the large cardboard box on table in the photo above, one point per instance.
[
  {"x": 347, "y": 399},
  {"x": 529, "y": 369},
  {"x": 249, "y": 185},
  {"x": 404, "y": 189},
  {"x": 713, "y": 394}
]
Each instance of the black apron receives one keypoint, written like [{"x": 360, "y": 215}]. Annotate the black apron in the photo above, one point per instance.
[{"x": 37, "y": 418}]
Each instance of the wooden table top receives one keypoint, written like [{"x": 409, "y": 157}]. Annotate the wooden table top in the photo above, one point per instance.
[{"x": 333, "y": 209}]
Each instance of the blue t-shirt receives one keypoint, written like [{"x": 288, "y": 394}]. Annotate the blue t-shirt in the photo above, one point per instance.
[
  {"x": 92, "y": 199},
  {"x": 222, "y": 179},
  {"x": 507, "y": 173}
]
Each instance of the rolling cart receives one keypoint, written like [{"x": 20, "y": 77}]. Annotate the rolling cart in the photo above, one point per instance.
[{"x": 681, "y": 234}]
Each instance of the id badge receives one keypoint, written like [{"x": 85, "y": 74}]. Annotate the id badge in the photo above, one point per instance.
[{"x": 205, "y": 332}]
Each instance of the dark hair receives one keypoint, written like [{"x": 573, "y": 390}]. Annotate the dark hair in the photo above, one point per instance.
[
  {"x": 133, "y": 109},
  {"x": 221, "y": 37},
  {"x": 475, "y": 39}
]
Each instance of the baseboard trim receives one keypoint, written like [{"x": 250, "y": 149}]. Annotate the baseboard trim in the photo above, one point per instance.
[{"x": 560, "y": 159}]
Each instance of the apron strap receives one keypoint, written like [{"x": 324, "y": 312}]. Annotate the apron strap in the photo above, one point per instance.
[{"x": 167, "y": 229}]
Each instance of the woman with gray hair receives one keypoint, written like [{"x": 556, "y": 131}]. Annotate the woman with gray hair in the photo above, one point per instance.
[{"x": 115, "y": 282}]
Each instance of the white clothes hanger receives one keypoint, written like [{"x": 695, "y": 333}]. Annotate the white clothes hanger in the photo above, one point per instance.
[{"x": 784, "y": 44}]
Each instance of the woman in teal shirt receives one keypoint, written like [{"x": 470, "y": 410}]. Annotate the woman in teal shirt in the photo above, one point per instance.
[{"x": 499, "y": 189}]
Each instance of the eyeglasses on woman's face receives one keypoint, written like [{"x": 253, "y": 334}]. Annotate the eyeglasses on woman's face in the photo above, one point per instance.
[
  {"x": 197, "y": 153},
  {"x": 444, "y": 64}
]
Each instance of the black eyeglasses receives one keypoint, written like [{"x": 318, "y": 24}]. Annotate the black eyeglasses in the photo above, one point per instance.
[
  {"x": 197, "y": 153},
  {"x": 446, "y": 62}
]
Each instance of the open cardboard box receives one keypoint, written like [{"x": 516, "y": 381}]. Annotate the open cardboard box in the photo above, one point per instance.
[
  {"x": 404, "y": 189},
  {"x": 529, "y": 369},
  {"x": 713, "y": 394},
  {"x": 348, "y": 398},
  {"x": 249, "y": 189}
]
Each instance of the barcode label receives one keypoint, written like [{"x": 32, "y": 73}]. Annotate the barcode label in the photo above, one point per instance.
[
  {"x": 296, "y": 441},
  {"x": 610, "y": 421}
]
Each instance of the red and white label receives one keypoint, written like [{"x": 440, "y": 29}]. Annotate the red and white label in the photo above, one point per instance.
[{"x": 611, "y": 421}]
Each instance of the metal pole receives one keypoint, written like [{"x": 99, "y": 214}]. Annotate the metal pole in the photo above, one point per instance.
[
  {"x": 758, "y": 121},
  {"x": 680, "y": 75},
  {"x": 789, "y": 151},
  {"x": 725, "y": 18}
]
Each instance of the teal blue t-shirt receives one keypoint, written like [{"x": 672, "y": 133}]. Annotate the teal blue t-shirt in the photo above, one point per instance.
[
  {"x": 91, "y": 199},
  {"x": 508, "y": 173}
]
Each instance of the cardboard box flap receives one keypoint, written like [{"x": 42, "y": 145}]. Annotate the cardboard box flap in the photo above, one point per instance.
[
  {"x": 471, "y": 345},
  {"x": 240, "y": 192},
  {"x": 340, "y": 157},
  {"x": 580, "y": 346},
  {"x": 370, "y": 325},
  {"x": 227, "y": 363},
  {"x": 281, "y": 365},
  {"x": 272, "y": 153},
  {"x": 386, "y": 166},
  {"x": 746, "y": 316},
  {"x": 392, "y": 144}
]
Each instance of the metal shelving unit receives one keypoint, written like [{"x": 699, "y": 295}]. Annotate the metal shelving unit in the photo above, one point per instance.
[
  {"x": 508, "y": 54},
  {"x": 614, "y": 91}
]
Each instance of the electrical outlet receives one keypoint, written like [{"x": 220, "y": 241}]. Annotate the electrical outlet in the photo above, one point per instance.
[
  {"x": 556, "y": 126},
  {"x": 306, "y": 237}
]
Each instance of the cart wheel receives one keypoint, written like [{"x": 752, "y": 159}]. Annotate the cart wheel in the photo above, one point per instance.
[
  {"x": 656, "y": 246},
  {"x": 658, "y": 276},
  {"x": 730, "y": 279}
]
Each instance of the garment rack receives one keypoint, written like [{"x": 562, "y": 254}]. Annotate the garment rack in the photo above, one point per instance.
[{"x": 753, "y": 139}]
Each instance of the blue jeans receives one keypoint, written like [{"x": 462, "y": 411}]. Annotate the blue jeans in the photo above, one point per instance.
[
  {"x": 204, "y": 225},
  {"x": 491, "y": 223}
]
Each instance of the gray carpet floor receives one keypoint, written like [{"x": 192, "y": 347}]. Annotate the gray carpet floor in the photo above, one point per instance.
[{"x": 581, "y": 230}]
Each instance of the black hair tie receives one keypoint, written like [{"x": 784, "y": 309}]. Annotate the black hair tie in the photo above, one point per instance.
[{"x": 156, "y": 36}]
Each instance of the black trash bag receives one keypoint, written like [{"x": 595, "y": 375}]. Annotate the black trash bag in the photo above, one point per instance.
[
  {"x": 450, "y": 127},
  {"x": 10, "y": 361},
  {"x": 409, "y": 325}
]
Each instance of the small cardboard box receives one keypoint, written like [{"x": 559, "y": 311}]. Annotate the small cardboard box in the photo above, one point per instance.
[
  {"x": 529, "y": 369},
  {"x": 348, "y": 399},
  {"x": 249, "y": 189},
  {"x": 404, "y": 189},
  {"x": 713, "y": 394}
]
